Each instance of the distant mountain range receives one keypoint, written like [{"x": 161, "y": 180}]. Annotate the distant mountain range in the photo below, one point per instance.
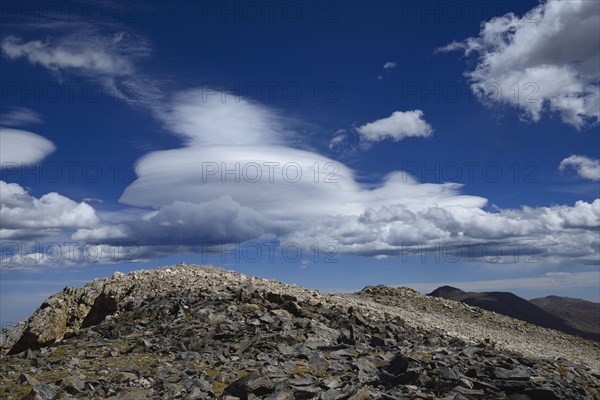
[
  {"x": 581, "y": 314},
  {"x": 573, "y": 316}
]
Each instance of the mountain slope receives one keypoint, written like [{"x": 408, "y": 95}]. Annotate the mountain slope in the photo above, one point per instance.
[
  {"x": 580, "y": 314},
  {"x": 196, "y": 332},
  {"x": 511, "y": 305}
]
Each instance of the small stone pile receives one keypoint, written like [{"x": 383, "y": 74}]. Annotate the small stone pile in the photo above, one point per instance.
[{"x": 191, "y": 332}]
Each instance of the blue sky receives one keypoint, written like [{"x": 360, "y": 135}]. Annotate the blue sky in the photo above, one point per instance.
[{"x": 330, "y": 144}]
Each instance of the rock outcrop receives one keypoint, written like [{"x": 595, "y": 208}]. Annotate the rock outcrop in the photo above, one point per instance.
[
  {"x": 65, "y": 313},
  {"x": 195, "y": 332}
]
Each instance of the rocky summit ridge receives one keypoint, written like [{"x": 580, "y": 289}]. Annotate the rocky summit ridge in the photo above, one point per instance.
[{"x": 197, "y": 332}]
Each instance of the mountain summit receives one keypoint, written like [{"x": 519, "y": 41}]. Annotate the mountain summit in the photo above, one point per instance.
[{"x": 195, "y": 332}]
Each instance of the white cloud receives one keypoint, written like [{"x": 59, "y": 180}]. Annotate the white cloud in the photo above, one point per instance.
[
  {"x": 26, "y": 216},
  {"x": 264, "y": 176},
  {"x": 98, "y": 51},
  {"x": 246, "y": 139},
  {"x": 552, "y": 234},
  {"x": 27, "y": 255},
  {"x": 279, "y": 181},
  {"x": 22, "y": 147},
  {"x": 219, "y": 193},
  {"x": 338, "y": 138},
  {"x": 389, "y": 65},
  {"x": 84, "y": 52},
  {"x": 92, "y": 200},
  {"x": 453, "y": 46},
  {"x": 545, "y": 60},
  {"x": 219, "y": 118},
  {"x": 585, "y": 167},
  {"x": 195, "y": 204},
  {"x": 396, "y": 127},
  {"x": 18, "y": 116},
  {"x": 221, "y": 220},
  {"x": 260, "y": 189}
]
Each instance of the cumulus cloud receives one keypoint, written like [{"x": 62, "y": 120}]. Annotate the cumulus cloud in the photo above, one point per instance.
[
  {"x": 545, "y": 60},
  {"x": 22, "y": 147},
  {"x": 19, "y": 116},
  {"x": 221, "y": 220},
  {"x": 396, "y": 127},
  {"x": 554, "y": 234},
  {"x": 26, "y": 216},
  {"x": 27, "y": 255},
  {"x": 585, "y": 167}
]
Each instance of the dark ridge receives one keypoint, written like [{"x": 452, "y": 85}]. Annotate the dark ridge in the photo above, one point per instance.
[
  {"x": 580, "y": 314},
  {"x": 513, "y": 306}
]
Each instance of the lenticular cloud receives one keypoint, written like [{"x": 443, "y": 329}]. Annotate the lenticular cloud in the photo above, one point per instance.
[
  {"x": 267, "y": 188},
  {"x": 19, "y": 147}
]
